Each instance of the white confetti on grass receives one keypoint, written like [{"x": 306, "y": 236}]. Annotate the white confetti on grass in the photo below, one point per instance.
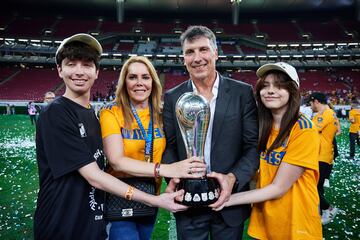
[
  {"x": 19, "y": 143},
  {"x": 19, "y": 186},
  {"x": 172, "y": 228},
  {"x": 18, "y": 177}
]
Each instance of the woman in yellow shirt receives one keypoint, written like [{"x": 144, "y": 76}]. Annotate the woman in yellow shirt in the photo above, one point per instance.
[
  {"x": 285, "y": 203},
  {"x": 132, "y": 135}
]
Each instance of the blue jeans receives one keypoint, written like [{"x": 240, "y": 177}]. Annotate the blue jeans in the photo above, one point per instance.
[{"x": 134, "y": 229}]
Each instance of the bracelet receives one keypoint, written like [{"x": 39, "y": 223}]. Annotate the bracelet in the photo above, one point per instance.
[
  {"x": 157, "y": 170},
  {"x": 129, "y": 193}
]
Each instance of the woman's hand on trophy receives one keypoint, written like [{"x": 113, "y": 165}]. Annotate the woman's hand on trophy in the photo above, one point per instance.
[
  {"x": 226, "y": 182},
  {"x": 171, "y": 187},
  {"x": 167, "y": 201},
  {"x": 192, "y": 167}
]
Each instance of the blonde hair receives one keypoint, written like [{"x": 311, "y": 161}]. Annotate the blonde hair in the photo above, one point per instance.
[{"x": 122, "y": 97}]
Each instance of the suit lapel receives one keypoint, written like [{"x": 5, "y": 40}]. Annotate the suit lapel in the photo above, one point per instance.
[
  {"x": 222, "y": 103},
  {"x": 186, "y": 87}
]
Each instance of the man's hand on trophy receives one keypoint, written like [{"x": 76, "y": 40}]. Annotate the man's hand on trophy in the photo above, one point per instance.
[
  {"x": 192, "y": 167},
  {"x": 171, "y": 187},
  {"x": 226, "y": 182},
  {"x": 167, "y": 201}
]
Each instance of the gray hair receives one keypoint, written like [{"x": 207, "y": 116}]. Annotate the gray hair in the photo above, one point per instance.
[{"x": 195, "y": 32}]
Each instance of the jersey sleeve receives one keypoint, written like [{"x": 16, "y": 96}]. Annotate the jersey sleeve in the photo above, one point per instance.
[
  {"x": 109, "y": 123},
  {"x": 303, "y": 149},
  {"x": 64, "y": 147},
  {"x": 351, "y": 115}
]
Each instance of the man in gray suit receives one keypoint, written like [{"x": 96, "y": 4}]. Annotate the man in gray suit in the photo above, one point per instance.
[{"x": 230, "y": 147}]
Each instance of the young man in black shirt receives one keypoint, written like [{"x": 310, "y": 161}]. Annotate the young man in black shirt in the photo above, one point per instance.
[{"x": 70, "y": 154}]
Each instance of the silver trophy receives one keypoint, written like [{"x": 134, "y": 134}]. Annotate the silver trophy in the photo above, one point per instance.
[{"x": 193, "y": 116}]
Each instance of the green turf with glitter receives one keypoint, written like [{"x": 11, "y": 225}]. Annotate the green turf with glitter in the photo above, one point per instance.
[{"x": 19, "y": 185}]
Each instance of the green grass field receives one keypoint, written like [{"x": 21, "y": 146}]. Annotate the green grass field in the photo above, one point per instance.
[{"x": 19, "y": 186}]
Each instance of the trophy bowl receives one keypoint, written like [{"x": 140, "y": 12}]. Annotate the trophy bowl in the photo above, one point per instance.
[
  {"x": 193, "y": 116},
  {"x": 199, "y": 192}
]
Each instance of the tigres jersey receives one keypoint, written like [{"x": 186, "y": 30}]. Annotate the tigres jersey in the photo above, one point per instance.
[
  {"x": 326, "y": 124},
  {"x": 112, "y": 122},
  {"x": 295, "y": 215},
  {"x": 355, "y": 115}
]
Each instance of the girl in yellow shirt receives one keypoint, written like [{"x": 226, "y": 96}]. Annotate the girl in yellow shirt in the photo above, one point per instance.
[{"x": 285, "y": 203}]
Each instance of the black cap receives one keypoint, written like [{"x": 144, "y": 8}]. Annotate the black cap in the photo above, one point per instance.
[{"x": 318, "y": 96}]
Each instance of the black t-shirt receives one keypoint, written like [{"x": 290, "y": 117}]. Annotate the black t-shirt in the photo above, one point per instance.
[{"x": 68, "y": 137}]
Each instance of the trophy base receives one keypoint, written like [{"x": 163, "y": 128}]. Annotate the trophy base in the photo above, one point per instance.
[{"x": 199, "y": 192}]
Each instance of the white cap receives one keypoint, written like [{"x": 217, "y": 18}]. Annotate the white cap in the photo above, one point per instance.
[
  {"x": 281, "y": 66},
  {"x": 81, "y": 37}
]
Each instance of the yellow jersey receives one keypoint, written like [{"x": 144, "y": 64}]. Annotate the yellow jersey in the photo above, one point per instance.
[
  {"x": 112, "y": 122},
  {"x": 354, "y": 114},
  {"x": 296, "y": 214},
  {"x": 326, "y": 123}
]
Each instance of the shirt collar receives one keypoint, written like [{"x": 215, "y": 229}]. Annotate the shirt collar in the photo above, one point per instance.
[{"x": 215, "y": 87}]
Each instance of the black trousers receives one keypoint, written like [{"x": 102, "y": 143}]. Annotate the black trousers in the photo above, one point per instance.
[
  {"x": 325, "y": 170},
  {"x": 204, "y": 224},
  {"x": 33, "y": 119},
  {"x": 353, "y": 138}
]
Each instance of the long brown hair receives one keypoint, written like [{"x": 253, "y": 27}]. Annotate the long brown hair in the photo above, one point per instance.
[
  {"x": 122, "y": 97},
  {"x": 266, "y": 120}
]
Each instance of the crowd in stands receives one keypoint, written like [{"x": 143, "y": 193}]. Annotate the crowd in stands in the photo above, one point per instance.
[{"x": 109, "y": 96}]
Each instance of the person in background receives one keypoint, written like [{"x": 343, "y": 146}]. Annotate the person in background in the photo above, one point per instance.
[
  {"x": 335, "y": 146},
  {"x": 70, "y": 156},
  {"x": 230, "y": 146},
  {"x": 326, "y": 123},
  {"x": 32, "y": 112},
  {"x": 49, "y": 97},
  {"x": 12, "y": 109},
  {"x": 354, "y": 130},
  {"x": 137, "y": 108},
  {"x": 343, "y": 113},
  {"x": 8, "y": 109},
  {"x": 285, "y": 201},
  {"x": 305, "y": 109}
]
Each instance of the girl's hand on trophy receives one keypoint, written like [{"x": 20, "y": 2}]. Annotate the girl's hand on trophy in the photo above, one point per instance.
[
  {"x": 218, "y": 208},
  {"x": 167, "y": 201},
  {"x": 192, "y": 167}
]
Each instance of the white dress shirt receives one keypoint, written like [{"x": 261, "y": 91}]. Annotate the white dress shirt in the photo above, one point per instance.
[{"x": 207, "y": 150}]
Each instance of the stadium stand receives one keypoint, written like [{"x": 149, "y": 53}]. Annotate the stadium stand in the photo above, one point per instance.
[
  {"x": 229, "y": 48},
  {"x": 241, "y": 28},
  {"x": 29, "y": 84},
  {"x": 277, "y": 34},
  {"x": 67, "y": 27},
  {"x": 28, "y": 27},
  {"x": 324, "y": 31},
  {"x": 246, "y": 46},
  {"x": 114, "y": 27}
]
